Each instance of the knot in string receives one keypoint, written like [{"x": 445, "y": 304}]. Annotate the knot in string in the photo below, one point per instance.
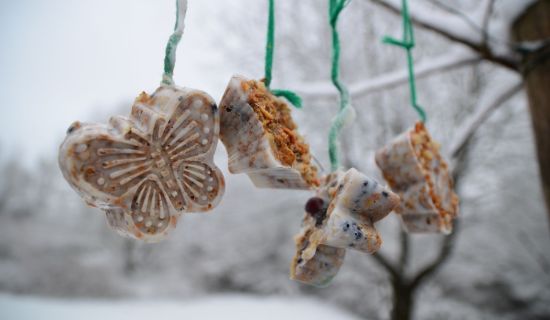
[{"x": 408, "y": 43}]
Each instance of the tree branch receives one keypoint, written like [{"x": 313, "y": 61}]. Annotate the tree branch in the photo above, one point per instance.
[
  {"x": 441, "y": 6},
  {"x": 453, "y": 28},
  {"x": 481, "y": 116},
  {"x": 488, "y": 12},
  {"x": 386, "y": 264},
  {"x": 444, "y": 254},
  {"x": 453, "y": 60},
  {"x": 459, "y": 14},
  {"x": 404, "y": 257}
]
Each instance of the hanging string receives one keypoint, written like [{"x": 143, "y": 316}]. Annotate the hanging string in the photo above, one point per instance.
[
  {"x": 346, "y": 110},
  {"x": 408, "y": 44},
  {"x": 292, "y": 97},
  {"x": 171, "y": 46}
]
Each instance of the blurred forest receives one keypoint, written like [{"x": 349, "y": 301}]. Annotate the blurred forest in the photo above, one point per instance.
[{"x": 495, "y": 266}]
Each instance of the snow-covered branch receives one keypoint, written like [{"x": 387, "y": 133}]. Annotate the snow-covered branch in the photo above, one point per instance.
[
  {"x": 453, "y": 60},
  {"x": 386, "y": 264},
  {"x": 483, "y": 113},
  {"x": 455, "y": 28},
  {"x": 487, "y": 8},
  {"x": 405, "y": 251}
]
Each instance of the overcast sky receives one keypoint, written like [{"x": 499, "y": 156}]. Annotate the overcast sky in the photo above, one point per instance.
[{"x": 63, "y": 60}]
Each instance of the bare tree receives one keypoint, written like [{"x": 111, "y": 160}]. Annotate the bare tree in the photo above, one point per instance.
[
  {"x": 404, "y": 285},
  {"x": 479, "y": 46}
]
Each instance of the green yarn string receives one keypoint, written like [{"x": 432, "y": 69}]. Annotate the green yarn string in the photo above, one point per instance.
[
  {"x": 170, "y": 59},
  {"x": 408, "y": 44},
  {"x": 292, "y": 97},
  {"x": 270, "y": 42},
  {"x": 335, "y": 7},
  {"x": 171, "y": 46}
]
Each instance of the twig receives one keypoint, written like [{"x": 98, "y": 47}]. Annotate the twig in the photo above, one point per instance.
[
  {"x": 530, "y": 246},
  {"x": 393, "y": 79},
  {"x": 404, "y": 256},
  {"x": 452, "y": 10},
  {"x": 386, "y": 264},
  {"x": 422, "y": 20},
  {"x": 443, "y": 256},
  {"x": 481, "y": 116},
  {"x": 488, "y": 12}
]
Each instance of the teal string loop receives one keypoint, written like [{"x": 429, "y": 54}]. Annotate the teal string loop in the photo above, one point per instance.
[
  {"x": 335, "y": 8},
  {"x": 173, "y": 41},
  {"x": 292, "y": 97},
  {"x": 408, "y": 43}
]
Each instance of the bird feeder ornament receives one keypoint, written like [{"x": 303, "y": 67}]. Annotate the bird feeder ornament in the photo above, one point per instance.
[
  {"x": 414, "y": 168},
  {"x": 147, "y": 169},
  {"x": 257, "y": 129},
  {"x": 262, "y": 139},
  {"x": 413, "y": 165},
  {"x": 341, "y": 216}
]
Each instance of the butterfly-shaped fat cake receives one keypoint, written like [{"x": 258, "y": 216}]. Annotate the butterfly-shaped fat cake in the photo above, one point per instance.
[
  {"x": 146, "y": 170},
  {"x": 340, "y": 216}
]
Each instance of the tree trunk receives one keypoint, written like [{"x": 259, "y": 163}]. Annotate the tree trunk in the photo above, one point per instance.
[
  {"x": 402, "y": 301},
  {"x": 534, "y": 25}
]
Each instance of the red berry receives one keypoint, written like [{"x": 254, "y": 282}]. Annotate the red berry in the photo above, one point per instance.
[{"x": 314, "y": 206}]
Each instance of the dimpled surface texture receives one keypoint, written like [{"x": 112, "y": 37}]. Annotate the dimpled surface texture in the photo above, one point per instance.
[{"x": 147, "y": 169}]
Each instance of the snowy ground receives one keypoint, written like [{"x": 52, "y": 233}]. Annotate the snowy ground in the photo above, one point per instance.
[{"x": 218, "y": 307}]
